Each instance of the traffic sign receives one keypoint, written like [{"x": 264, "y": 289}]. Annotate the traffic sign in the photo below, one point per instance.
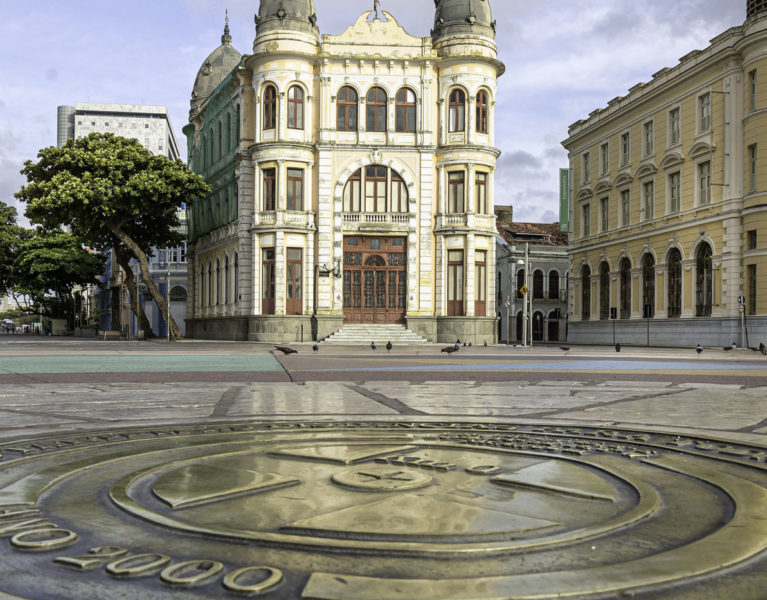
[
  {"x": 741, "y": 308},
  {"x": 507, "y": 303},
  {"x": 523, "y": 289}
]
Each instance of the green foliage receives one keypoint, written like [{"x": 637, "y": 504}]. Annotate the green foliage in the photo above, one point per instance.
[
  {"x": 103, "y": 184},
  {"x": 10, "y": 238},
  {"x": 50, "y": 264}
]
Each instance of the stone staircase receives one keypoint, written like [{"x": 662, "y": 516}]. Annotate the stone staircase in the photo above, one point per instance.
[{"x": 356, "y": 334}]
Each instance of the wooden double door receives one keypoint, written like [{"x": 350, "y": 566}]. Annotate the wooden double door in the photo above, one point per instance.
[{"x": 375, "y": 279}]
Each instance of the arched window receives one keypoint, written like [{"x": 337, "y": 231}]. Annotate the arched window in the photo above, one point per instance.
[
  {"x": 537, "y": 285},
  {"x": 457, "y": 111},
  {"x": 405, "y": 110},
  {"x": 585, "y": 293},
  {"x": 554, "y": 285},
  {"x": 201, "y": 285},
  {"x": 201, "y": 161},
  {"x": 376, "y": 110},
  {"x": 217, "y": 293},
  {"x": 553, "y": 326},
  {"x": 270, "y": 107},
  {"x": 210, "y": 284},
  {"x": 376, "y": 189},
  {"x": 674, "y": 269},
  {"x": 296, "y": 107},
  {"x": 211, "y": 155},
  {"x": 236, "y": 278},
  {"x": 218, "y": 142},
  {"x": 237, "y": 125},
  {"x": 537, "y": 326},
  {"x": 648, "y": 286},
  {"x": 704, "y": 284},
  {"x": 347, "y": 109},
  {"x": 604, "y": 291},
  {"x": 226, "y": 281},
  {"x": 177, "y": 294},
  {"x": 228, "y": 131},
  {"x": 625, "y": 298},
  {"x": 482, "y": 111}
]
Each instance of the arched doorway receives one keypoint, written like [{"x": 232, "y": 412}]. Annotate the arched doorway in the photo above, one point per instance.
[
  {"x": 375, "y": 279},
  {"x": 537, "y": 326},
  {"x": 519, "y": 327},
  {"x": 553, "y": 327}
]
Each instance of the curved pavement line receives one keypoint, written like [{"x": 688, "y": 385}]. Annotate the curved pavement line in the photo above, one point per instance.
[{"x": 744, "y": 536}]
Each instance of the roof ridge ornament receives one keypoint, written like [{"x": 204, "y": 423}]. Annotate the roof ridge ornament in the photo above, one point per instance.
[
  {"x": 226, "y": 38},
  {"x": 376, "y": 7}
]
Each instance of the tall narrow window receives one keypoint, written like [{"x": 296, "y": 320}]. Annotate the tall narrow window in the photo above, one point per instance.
[
  {"x": 210, "y": 283},
  {"x": 347, "y": 109},
  {"x": 295, "y": 189},
  {"x": 293, "y": 281},
  {"x": 704, "y": 280},
  {"x": 625, "y": 208},
  {"x": 270, "y": 107},
  {"x": 399, "y": 196},
  {"x": 585, "y": 293},
  {"x": 586, "y": 169},
  {"x": 674, "y": 191},
  {"x": 752, "y": 167},
  {"x": 649, "y": 200},
  {"x": 537, "y": 284},
  {"x": 704, "y": 112},
  {"x": 649, "y": 138},
  {"x": 352, "y": 202},
  {"x": 296, "y": 107},
  {"x": 270, "y": 189},
  {"x": 236, "y": 278},
  {"x": 604, "y": 159},
  {"x": 604, "y": 214},
  {"x": 480, "y": 188},
  {"x": 225, "y": 295},
  {"x": 482, "y": 105},
  {"x": 752, "y": 90},
  {"x": 375, "y": 189},
  {"x": 405, "y": 110},
  {"x": 751, "y": 289},
  {"x": 674, "y": 127},
  {"x": 674, "y": 268},
  {"x": 554, "y": 285},
  {"x": 604, "y": 291},
  {"x": 625, "y": 149},
  {"x": 201, "y": 286},
  {"x": 625, "y": 280},
  {"x": 268, "y": 281},
  {"x": 455, "y": 192},
  {"x": 648, "y": 286},
  {"x": 457, "y": 111},
  {"x": 217, "y": 291},
  {"x": 586, "y": 220},
  {"x": 454, "y": 283},
  {"x": 480, "y": 283},
  {"x": 237, "y": 125},
  {"x": 376, "y": 110},
  {"x": 704, "y": 183},
  {"x": 228, "y": 131}
]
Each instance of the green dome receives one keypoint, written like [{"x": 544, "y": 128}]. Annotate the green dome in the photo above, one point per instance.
[
  {"x": 295, "y": 15},
  {"x": 214, "y": 70}
]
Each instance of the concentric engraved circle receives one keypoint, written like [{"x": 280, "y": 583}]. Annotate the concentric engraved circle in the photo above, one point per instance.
[{"x": 374, "y": 510}]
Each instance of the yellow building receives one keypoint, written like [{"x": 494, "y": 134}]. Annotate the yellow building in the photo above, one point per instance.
[
  {"x": 668, "y": 211},
  {"x": 352, "y": 178}
]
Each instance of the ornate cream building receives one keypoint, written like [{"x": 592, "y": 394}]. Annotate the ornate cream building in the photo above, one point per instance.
[
  {"x": 352, "y": 178},
  {"x": 668, "y": 208}
]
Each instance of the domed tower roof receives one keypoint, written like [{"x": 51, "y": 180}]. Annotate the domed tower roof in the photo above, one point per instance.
[
  {"x": 462, "y": 17},
  {"x": 294, "y": 15},
  {"x": 756, "y": 8},
  {"x": 216, "y": 67}
]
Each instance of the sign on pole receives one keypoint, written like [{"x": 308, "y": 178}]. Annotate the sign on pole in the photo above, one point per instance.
[{"x": 564, "y": 199}]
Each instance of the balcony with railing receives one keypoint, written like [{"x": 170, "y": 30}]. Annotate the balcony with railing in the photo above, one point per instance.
[
  {"x": 466, "y": 221},
  {"x": 271, "y": 219},
  {"x": 361, "y": 221}
]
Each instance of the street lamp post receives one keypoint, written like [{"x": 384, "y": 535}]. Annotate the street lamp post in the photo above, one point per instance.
[{"x": 525, "y": 294}]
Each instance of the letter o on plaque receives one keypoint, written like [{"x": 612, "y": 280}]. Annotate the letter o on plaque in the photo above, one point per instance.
[
  {"x": 40, "y": 540},
  {"x": 191, "y": 572},
  {"x": 266, "y": 579},
  {"x": 137, "y": 565}
]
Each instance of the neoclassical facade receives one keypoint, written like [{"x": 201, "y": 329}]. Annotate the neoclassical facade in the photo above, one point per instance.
[
  {"x": 352, "y": 178},
  {"x": 669, "y": 202}
]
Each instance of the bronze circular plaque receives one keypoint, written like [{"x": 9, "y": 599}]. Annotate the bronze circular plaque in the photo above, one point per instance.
[{"x": 380, "y": 511}]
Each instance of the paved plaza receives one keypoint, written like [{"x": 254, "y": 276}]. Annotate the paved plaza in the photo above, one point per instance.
[{"x": 348, "y": 473}]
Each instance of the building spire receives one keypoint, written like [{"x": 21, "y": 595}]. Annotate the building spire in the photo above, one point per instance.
[{"x": 226, "y": 39}]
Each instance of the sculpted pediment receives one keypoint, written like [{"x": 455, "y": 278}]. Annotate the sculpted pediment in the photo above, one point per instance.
[{"x": 377, "y": 38}]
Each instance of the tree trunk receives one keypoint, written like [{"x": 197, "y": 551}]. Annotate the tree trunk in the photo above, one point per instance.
[
  {"x": 130, "y": 282},
  {"x": 140, "y": 255}
]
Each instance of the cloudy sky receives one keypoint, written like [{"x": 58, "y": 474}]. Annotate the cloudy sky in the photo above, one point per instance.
[{"x": 564, "y": 58}]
